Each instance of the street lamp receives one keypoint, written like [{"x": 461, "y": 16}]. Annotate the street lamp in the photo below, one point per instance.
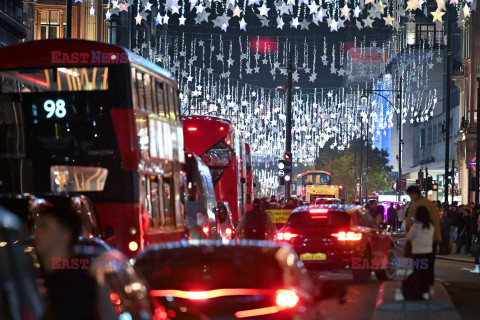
[{"x": 365, "y": 98}]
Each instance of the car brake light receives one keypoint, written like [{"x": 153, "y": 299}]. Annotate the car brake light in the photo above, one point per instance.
[
  {"x": 285, "y": 236},
  {"x": 133, "y": 246},
  {"x": 228, "y": 231},
  {"x": 316, "y": 210},
  {"x": 205, "y": 230},
  {"x": 349, "y": 236},
  {"x": 287, "y": 298}
]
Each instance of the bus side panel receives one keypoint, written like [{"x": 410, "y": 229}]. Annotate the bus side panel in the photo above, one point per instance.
[
  {"x": 121, "y": 217},
  {"x": 125, "y": 131},
  {"x": 227, "y": 189}
]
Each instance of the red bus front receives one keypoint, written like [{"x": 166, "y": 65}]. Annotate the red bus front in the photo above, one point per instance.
[{"x": 214, "y": 140}]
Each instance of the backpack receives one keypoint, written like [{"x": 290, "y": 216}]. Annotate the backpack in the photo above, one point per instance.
[{"x": 256, "y": 225}]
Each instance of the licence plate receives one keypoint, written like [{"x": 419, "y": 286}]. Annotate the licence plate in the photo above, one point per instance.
[{"x": 313, "y": 256}]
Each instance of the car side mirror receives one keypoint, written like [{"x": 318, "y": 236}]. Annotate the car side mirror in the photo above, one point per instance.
[
  {"x": 109, "y": 233},
  {"x": 331, "y": 289}
]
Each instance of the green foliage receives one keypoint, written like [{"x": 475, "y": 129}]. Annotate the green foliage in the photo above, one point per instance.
[{"x": 341, "y": 164}]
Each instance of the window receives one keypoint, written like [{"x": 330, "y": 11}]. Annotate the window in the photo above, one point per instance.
[
  {"x": 134, "y": 89},
  {"x": 154, "y": 214},
  {"x": 140, "y": 91},
  {"x": 50, "y": 24},
  {"x": 440, "y": 132},
  {"x": 434, "y": 138},
  {"x": 161, "y": 99},
  {"x": 148, "y": 92},
  {"x": 168, "y": 212},
  {"x": 429, "y": 136},
  {"x": 171, "y": 102},
  {"x": 429, "y": 33},
  {"x": 142, "y": 136},
  {"x": 422, "y": 138}
]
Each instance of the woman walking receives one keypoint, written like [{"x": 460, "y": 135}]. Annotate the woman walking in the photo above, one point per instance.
[{"x": 421, "y": 237}]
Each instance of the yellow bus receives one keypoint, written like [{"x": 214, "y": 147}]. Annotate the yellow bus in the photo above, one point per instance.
[{"x": 316, "y": 184}]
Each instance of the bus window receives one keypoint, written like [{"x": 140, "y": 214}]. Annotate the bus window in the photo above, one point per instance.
[
  {"x": 161, "y": 99},
  {"x": 154, "y": 138},
  {"x": 141, "y": 91},
  {"x": 168, "y": 108},
  {"x": 168, "y": 213},
  {"x": 167, "y": 141},
  {"x": 142, "y": 136},
  {"x": 154, "y": 96},
  {"x": 148, "y": 92},
  {"x": 134, "y": 89},
  {"x": 171, "y": 103},
  {"x": 155, "y": 203},
  {"x": 177, "y": 105}
]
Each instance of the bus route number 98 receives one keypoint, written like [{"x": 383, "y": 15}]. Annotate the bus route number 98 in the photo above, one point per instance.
[{"x": 56, "y": 108}]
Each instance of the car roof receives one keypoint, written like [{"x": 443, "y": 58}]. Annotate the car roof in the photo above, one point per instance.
[
  {"x": 252, "y": 246},
  {"x": 8, "y": 220},
  {"x": 348, "y": 208}
]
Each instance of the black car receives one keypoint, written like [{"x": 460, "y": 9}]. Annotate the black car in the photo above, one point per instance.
[
  {"x": 227, "y": 280},
  {"x": 19, "y": 294},
  {"x": 24, "y": 205}
]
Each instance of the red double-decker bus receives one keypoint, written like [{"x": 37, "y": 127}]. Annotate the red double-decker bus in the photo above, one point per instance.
[
  {"x": 219, "y": 146},
  {"x": 92, "y": 118}
]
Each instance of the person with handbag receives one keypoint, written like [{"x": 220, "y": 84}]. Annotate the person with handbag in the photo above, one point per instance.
[
  {"x": 419, "y": 247},
  {"x": 418, "y": 201}
]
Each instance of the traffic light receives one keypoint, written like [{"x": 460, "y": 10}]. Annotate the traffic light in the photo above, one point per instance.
[
  {"x": 281, "y": 171},
  {"x": 287, "y": 161},
  {"x": 429, "y": 184}
]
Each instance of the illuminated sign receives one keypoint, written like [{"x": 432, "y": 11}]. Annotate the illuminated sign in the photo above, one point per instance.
[{"x": 56, "y": 108}]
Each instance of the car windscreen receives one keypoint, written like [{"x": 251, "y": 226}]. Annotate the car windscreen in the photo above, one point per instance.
[
  {"x": 203, "y": 269},
  {"x": 306, "y": 219}
]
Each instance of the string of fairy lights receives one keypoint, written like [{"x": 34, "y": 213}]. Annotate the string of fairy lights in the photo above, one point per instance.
[{"x": 214, "y": 81}]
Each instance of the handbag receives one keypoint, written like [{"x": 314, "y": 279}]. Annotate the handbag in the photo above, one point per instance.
[{"x": 407, "y": 250}]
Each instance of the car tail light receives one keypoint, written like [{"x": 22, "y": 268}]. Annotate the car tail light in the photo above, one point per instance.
[
  {"x": 318, "y": 210},
  {"x": 285, "y": 236},
  {"x": 348, "y": 236},
  {"x": 133, "y": 246},
  {"x": 205, "y": 230},
  {"x": 228, "y": 231},
  {"x": 287, "y": 298},
  {"x": 192, "y": 128}
]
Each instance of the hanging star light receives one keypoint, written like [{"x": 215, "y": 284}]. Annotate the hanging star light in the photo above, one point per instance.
[{"x": 437, "y": 15}]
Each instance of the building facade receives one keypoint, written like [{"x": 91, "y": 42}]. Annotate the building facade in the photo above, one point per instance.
[{"x": 12, "y": 29}]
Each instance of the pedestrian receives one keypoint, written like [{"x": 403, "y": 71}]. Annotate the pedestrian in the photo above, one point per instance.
[
  {"x": 452, "y": 216},
  {"x": 463, "y": 231},
  {"x": 72, "y": 293},
  {"x": 401, "y": 215},
  {"x": 256, "y": 224},
  {"x": 421, "y": 236},
  {"x": 380, "y": 216},
  {"x": 290, "y": 204},
  {"x": 372, "y": 208},
  {"x": 418, "y": 200},
  {"x": 445, "y": 246},
  {"x": 392, "y": 217},
  {"x": 477, "y": 248}
]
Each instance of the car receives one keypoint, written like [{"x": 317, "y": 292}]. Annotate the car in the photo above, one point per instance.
[
  {"x": 224, "y": 217},
  {"x": 120, "y": 285},
  {"x": 20, "y": 297},
  {"x": 335, "y": 237},
  {"x": 327, "y": 201},
  {"x": 228, "y": 280}
]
